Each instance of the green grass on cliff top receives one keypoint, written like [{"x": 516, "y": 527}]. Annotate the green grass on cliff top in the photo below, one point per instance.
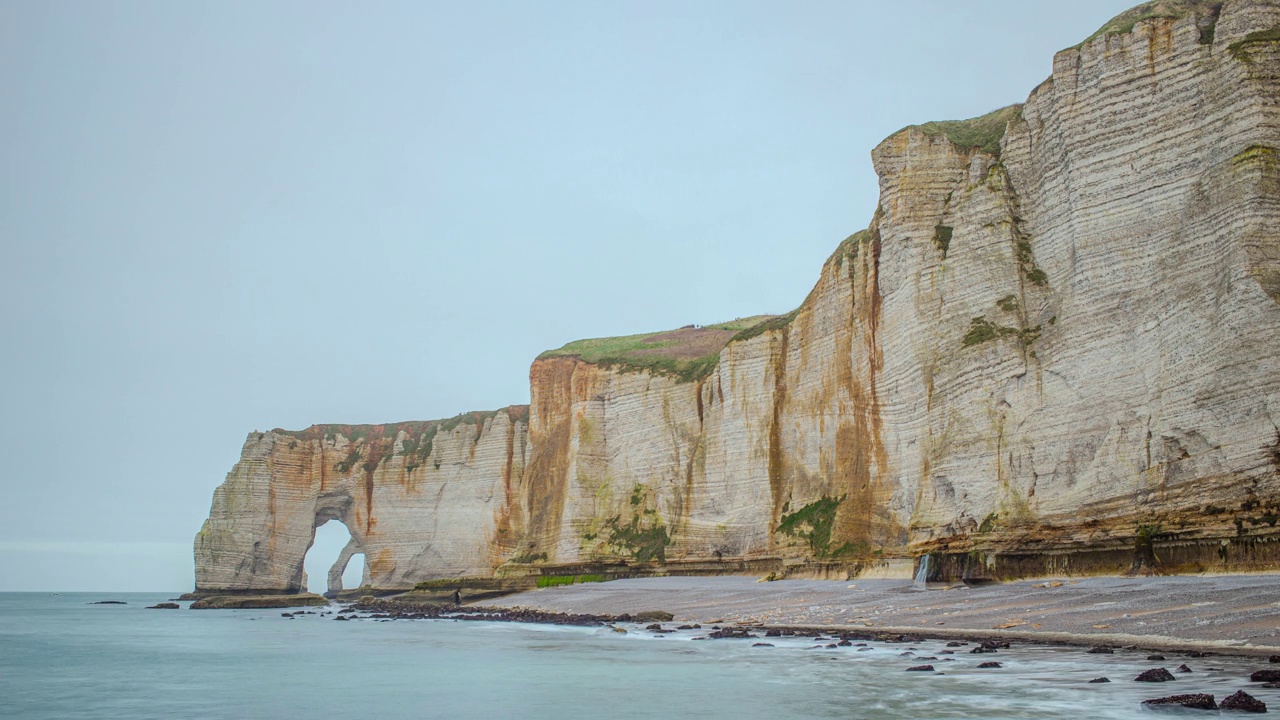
[
  {"x": 414, "y": 428},
  {"x": 983, "y": 133},
  {"x": 1172, "y": 9},
  {"x": 687, "y": 354}
]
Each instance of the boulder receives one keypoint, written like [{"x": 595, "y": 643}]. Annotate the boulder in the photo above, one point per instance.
[
  {"x": 1241, "y": 701},
  {"x": 1266, "y": 676},
  {"x": 164, "y": 606},
  {"x": 1155, "y": 675},
  {"x": 1100, "y": 680},
  {"x": 920, "y": 668},
  {"x": 1196, "y": 701},
  {"x": 985, "y": 665},
  {"x": 1101, "y": 651},
  {"x": 653, "y": 616}
]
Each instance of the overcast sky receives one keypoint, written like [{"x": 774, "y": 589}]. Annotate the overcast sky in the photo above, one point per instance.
[{"x": 221, "y": 217}]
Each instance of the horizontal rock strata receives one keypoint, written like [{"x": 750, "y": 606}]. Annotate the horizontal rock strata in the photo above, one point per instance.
[{"x": 1055, "y": 348}]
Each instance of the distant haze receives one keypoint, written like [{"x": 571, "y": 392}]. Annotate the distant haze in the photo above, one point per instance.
[{"x": 223, "y": 217}]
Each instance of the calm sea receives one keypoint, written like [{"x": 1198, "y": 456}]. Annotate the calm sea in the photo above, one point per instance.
[{"x": 62, "y": 657}]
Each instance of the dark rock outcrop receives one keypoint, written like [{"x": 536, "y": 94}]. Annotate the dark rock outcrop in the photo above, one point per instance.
[
  {"x": 1155, "y": 675},
  {"x": 1196, "y": 701},
  {"x": 653, "y": 616},
  {"x": 1241, "y": 701}
]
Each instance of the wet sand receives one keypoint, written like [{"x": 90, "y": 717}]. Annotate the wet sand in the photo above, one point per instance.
[{"x": 1239, "y": 614}]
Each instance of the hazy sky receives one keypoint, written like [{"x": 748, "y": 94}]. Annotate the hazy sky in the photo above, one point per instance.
[{"x": 221, "y": 217}]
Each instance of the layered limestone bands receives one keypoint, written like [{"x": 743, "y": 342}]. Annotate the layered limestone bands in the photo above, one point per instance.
[
  {"x": 419, "y": 499},
  {"x": 1055, "y": 348}
]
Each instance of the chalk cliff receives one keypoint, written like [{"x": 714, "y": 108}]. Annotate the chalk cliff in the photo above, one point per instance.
[
  {"x": 1056, "y": 347},
  {"x": 420, "y": 500}
]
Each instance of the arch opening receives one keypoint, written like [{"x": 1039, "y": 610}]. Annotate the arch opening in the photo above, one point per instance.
[{"x": 335, "y": 560}]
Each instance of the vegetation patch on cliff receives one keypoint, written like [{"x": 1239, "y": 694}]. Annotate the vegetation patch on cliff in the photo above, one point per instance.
[
  {"x": 942, "y": 238},
  {"x": 1206, "y": 12},
  {"x": 814, "y": 523},
  {"x": 643, "y": 544},
  {"x": 983, "y": 330},
  {"x": 983, "y": 133},
  {"x": 1240, "y": 48},
  {"x": 688, "y": 354},
  {"x": 546, "y": 581},
  {"x": 415, "y": 446},
  {"x": 644, "y": 538},
  {"x": 1026, "y": 258},
  {"x": 776, "y": 323}
]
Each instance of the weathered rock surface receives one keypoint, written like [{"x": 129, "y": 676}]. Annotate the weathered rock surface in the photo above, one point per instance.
[
  {"x": 1241, "y": 701},
  {"x": 233, "y": 602},
  {"x": 1055, "y": 349},
  {"x": 421, "y": 500},
  {"x": 1154, "y": 675},
  {"x": 1194, "y": 701}
]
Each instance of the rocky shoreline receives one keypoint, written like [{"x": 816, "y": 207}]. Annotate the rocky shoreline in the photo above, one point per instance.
[
  {"x": 1233, "y": 615},
  {"x": 914, "y": 654}
]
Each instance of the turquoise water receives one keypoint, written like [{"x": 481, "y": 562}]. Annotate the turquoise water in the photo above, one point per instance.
[{"x": 61, "y": 657}]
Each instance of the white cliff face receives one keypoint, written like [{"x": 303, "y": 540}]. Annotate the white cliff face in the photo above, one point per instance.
[
  {"x": 421, "y": 500},
  {"x": 1056, "y": 347},
  {"x": 1142, "y": 178},
  {"x": 1043, "y": 347}
]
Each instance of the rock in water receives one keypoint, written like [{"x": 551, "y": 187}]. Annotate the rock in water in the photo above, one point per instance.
[
  {"x": 1265, "y": 676},
  {"x": 1184, "y": 669},
  {"x": 164, "y": 606},
  {"x": 1155, "y": 675},
  {"x": 920, "y": 668},
  {"x": 1101, "y": 651},
  {"x": 1197, "y": 701},
  {"x": 1243, "y": 702},
  {"x": 1099, "y": 680},
  {"x": 654, "y": 616},
  {"x": 985, "y": 665}
]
